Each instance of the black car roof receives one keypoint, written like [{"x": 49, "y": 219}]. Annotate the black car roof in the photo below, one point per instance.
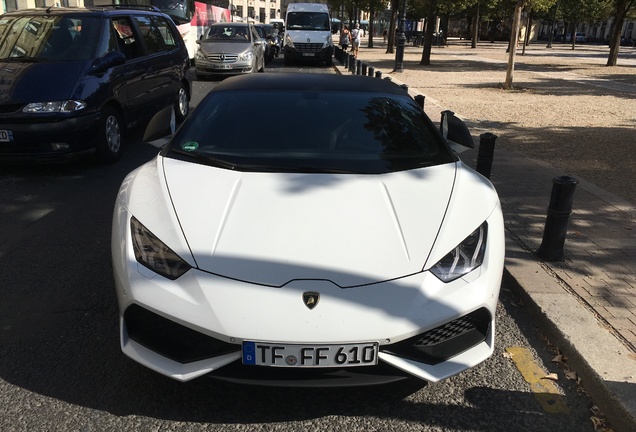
[{"x": 310, "y": 82}]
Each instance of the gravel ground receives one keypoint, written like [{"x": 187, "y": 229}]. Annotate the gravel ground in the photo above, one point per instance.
[{"x": 567, "y": 107}]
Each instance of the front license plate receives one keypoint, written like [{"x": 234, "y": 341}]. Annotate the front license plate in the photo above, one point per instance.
[
  {"x": 6, "y": 136},
  {"x": 308, "y": 54},
  {"x": 346, "y": 355},
  {"x": 222, "y": 66}
]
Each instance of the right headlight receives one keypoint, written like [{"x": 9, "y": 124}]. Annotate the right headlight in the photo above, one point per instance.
[
  {"x": 154, "y": 254},
  {"x": 288, "y": 41},
  {"x": 464, "y": 258}
]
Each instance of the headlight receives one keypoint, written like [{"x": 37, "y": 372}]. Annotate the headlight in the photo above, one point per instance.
[
  {"x": 54, "y": 107},
  {"x": 288, "y": 41},
  {"x": 199, "y": 55},
  {"x": 152, "y": 253},
  {"x": 247, "y": 56},
  {"x": 464, "y": 258}
]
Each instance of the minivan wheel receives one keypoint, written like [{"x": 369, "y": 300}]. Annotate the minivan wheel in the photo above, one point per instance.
[
  {"x": 110, "y": 137},
  {"x": 182, "y": 105}
]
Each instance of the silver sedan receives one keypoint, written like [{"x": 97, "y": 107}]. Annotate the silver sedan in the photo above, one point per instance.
[{"x": 230, "y": 49}]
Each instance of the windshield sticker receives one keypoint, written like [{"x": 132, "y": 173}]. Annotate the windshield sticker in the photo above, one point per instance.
[{"x": 190, "y": 146}]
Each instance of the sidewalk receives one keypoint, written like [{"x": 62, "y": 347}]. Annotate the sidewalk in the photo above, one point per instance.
[{"x": 587, "y": 303}]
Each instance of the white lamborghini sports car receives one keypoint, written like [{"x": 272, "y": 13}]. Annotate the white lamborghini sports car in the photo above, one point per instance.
[{"x": 351, "y": 246}]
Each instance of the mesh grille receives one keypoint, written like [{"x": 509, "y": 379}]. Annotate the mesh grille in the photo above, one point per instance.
[
  {"x": 448, "y": 331},
  {"x": 308, "y": 47}
]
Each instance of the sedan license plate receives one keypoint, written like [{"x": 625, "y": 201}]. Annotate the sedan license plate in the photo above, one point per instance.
[
  {"x": 280, "y": 355},
  {"x": 6, "y": 136},
  {"x": 222, "y": 66},
  {"x": 308, "y": 54}
]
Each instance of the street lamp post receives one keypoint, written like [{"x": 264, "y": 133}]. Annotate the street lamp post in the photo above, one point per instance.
[{"x": 401, "y": 39}]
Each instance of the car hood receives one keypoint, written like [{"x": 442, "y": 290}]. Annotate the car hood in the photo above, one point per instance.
[
  {"x": 271, "y": 228},
  {"x": 225, "y": 47},
  {"x": 25, "y": 82}
]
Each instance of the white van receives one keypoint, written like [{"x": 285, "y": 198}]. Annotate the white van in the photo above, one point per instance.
[{"x": 308, "y": 33}]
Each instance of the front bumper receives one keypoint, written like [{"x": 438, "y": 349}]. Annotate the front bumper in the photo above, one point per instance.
[
  {"x": 299, "y": 54},
  {"x": 49, "y": 139},
  {"x": 205, "y": 67},
  {"x": 195, "y": 325}
]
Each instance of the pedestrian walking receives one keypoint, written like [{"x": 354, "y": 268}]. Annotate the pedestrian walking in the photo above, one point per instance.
[
  {"x": 355, "y": 40},
  {"x": 345, "y": 38}
]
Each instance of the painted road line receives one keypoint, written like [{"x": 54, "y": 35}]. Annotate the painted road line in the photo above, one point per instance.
[{"x": 544, "y": 390}]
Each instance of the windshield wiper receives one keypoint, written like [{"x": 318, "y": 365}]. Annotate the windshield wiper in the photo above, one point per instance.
[
  {"x": 206, "y": 158},
  {"x": 22, "y": 59}
]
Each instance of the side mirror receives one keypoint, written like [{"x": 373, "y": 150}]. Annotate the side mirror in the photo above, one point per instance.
[
  {"x": 455, "y": 132},
  {"x": 107, "y": 61},
  {"x": 161, "y": 124}
]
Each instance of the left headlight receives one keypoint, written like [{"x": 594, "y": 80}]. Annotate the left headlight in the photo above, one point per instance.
[
  {"x": 464, "y": 258},
  {"x": 154, "y": 254},
  {"x": 247, "y": 56},
  {"x": 66, "y": 106}
]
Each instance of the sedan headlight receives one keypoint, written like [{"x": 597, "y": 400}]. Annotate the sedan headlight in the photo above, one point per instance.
[
  {"x": 464, "y": 258},
  {"x": 200, "y": 55},
  {"x": 247, "y": 56},
  {"x": 66, "y": 106},
  {"x": 154, "y": 254}
]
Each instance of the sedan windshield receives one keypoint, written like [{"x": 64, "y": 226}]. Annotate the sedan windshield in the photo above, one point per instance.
[
  {"x": 342, "y": 132},
  {"x": 228, "y": 33},
  {"x": 49, "y": 37}
]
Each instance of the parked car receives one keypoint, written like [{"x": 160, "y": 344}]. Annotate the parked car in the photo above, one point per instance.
[
  {"x": 75, "y": 79},
  {"x": 230, "y": 49},
  {"x": 354, "y": 248},
  {"x": 579, "y": 37}
]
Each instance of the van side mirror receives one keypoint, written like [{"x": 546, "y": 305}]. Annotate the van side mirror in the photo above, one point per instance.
[
  {"x": 455, "y": 132},
  {"x": 107, "y": 61}
]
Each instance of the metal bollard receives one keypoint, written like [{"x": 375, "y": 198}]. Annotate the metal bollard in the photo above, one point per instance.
[
  {"x": 358, "y": 67},
  {"x": 352, "y": 64},
  {"x": 378, "y": 74},
  {"x": 556, "y": 222},
  {"x": 486, "y": 153},
  {"x": 371, "y": 71},
  {"x": 364, "y": 69},
  {"x": 345, "y": 63},
  {"x": 420, "y": 100}
]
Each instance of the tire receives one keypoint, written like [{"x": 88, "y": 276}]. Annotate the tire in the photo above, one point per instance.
[
  {"x": 182, "y": 104},
  {"x": 110, "y": 136}
]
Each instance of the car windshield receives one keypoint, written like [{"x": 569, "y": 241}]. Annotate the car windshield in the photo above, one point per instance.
[
  {"x": 342, "y": 132},
  {"x": 308, "y": 21},
  {"x": 49, "y": 37},
  {"x": 228, "y": 33}
]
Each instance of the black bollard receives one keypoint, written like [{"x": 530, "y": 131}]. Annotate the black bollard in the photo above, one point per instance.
[
  {"x": 486, "y": 153},
  {"x": 420, "y": 100},
  {"x": 404, "y": 87},
  {"x": 352, "y": 64},
  {"x": 358, "y": 67},
  {"x": 371, "y": 71},
  {"x": 378, "y": 74},
  {"x": 347, "y": 58},
  {"x": 556, "y": 223},
  {"x": 364, "y": 69}
]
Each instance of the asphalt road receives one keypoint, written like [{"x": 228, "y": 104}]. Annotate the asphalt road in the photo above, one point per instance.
[{"x": 61, "y": 367}]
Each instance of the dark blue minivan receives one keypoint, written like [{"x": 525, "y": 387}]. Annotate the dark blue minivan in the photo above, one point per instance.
[{"x": 74, "y": 80}]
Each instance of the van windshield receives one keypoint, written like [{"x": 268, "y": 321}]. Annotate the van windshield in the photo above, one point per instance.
[
  {"x": 308, "y": 21},
  {"x": 49, "y": 37}
]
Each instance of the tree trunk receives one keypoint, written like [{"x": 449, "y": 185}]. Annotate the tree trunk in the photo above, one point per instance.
[
  {"x": 371, "y": 14},
  {"x": 475, "y": 27},
  {"x": 514, "y": 37},
  {"x": 622, "y": 7},
  {"x": 395, "y": 4},
  {"x": 526, "y": 37},
  {"x": 428, "y": 35}
]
